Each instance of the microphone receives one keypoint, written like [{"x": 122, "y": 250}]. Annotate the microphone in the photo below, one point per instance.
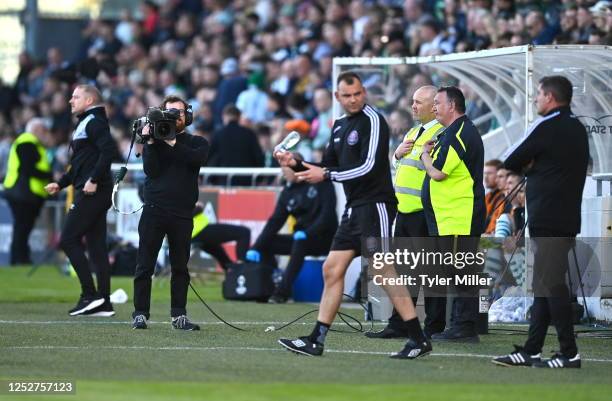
[
  {"x": 120, "y": 174},
  {"x": 289, "y": 142}
]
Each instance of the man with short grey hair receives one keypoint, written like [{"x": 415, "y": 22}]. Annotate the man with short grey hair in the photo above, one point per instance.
[{"x": 28, "y": 172}]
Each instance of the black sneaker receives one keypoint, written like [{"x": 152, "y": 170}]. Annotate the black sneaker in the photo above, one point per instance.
[
  {"x": 387, "y": 332},
  {"x": 413, "y": 350},
  {"x": 182, "y": 323},
  {"x": 517, "y": 358},
  {"x": 140, "y": 322},
  {"x": 559, "y": 361},
  {"x": 85, "y": 304},
  {"x": 278, "y": 299},
  {"x": 456, "y": 335},
  {"x": 104, "y": 310},
  {"x": 302, "y": 346}
]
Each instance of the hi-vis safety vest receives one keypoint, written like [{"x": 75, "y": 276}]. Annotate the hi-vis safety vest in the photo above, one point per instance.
[
  {"x": 200, "y": 221},
  {"x": 37, "y": 185},
  {"x": 410, "y": 171}
]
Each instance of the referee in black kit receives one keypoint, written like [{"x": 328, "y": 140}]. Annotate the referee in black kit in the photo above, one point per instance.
[
  {"x": 89, "y": 172},
  {"x": 170, "y": 194},
  {"x": 358, "y": 157},
  {"x": 555, "y": 153}
]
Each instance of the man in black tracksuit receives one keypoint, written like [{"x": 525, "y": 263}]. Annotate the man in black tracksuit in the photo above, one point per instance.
[
  {"x": 314, "y": 208},
  {"x": 555, "y": 153},
  {"x": 357, "y": 156},
  {"x": 89, "y": 172},
  {"x": 170, "y": 193}
]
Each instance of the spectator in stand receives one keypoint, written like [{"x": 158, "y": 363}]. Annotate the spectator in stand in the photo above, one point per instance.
[
  {"x": 230, "y": 87},
  {"x": 540, "y": 32},
  {"x": 253, "y": 101},
  {"x": 455, "y": 20},
  {"x": 512, "y": 222},
  {"x": 584, "y": 20},
  {"x": 321, "y": 125},
  {"x": 433, "y": 40},
  {"x": 501, "y": 178},
  {"x": 494, "y": 196}
]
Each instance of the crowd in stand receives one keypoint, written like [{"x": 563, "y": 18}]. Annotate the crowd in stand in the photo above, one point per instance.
[{"x": 272, "y": 60}]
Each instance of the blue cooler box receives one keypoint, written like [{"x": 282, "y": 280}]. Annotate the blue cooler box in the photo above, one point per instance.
[{"x": 308, "y": 285}]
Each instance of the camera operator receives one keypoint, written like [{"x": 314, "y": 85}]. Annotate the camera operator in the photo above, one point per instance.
[
  {"x": 92, "y": 150},
  {"x": 171, "y": 165}
]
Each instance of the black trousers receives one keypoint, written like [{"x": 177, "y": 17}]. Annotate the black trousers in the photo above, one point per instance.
[
  {"x": 414, "y": 225},
  {"x": 213, "y": 236},
  {"x": 153, "y": 226},
  {"x": 551, "y": 304},
  {"x": 24, "y": 217},
  {"x": 464, "y": 314},
  {"x": 87, "y": 218},
  {"x": 285, "y": 245}
]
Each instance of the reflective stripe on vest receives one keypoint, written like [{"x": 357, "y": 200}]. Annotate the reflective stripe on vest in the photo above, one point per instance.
[
  {"x": 408, "y": 191},
  {"x": 200, "y": 221},
  {"x": 411, "y": 171},
  {"x": 414, "y": 163},
  {"x": 37, "y": 185}
]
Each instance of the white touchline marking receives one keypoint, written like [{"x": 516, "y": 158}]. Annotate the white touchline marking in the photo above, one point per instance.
[
  {"x": 86, "y": 320},
  {"x": 189, "y": 348}
]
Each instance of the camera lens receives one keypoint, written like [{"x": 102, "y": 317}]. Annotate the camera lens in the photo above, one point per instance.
[{"x": 163, "y": 129}]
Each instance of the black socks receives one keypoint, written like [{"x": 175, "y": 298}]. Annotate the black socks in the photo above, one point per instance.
[
  {"x": 319, "y": 333},
  {"x": 413, "y": 328}
]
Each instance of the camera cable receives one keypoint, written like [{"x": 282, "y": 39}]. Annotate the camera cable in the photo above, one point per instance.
[
  {"x": 119, "y": 178},
  {"x": 343, "y": 316}
]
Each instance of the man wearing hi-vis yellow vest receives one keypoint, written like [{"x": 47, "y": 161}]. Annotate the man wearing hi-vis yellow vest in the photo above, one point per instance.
[
  {"x": 28, "y": 172},
  {"x": 453, "y": 201},
  {"x": 410, "y": 221}
]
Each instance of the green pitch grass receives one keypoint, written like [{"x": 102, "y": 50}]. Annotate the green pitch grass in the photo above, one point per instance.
[{"x": 109, "y": 361}]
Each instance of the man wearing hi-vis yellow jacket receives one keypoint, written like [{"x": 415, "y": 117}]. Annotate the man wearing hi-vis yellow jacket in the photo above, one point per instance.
[
  {"x": 28, "y": 172},
  {"x": 410, "y": 221},
  {"x": 453, "y": 201}
]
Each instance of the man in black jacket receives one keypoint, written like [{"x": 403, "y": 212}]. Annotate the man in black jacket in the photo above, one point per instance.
[
  {"x": 171, "y": 191},
  {"x": 357, "y": 156},
  {"x": 234, "y": 146},
  {"x": 314, "y": 208},
  {"x": 28, "y": 171},
  {"x": 89, "y": 172},
  {"x": 555, "y": 153}
]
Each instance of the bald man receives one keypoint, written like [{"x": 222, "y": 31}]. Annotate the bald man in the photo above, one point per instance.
[
  {"x": 89, "y": 172},
  {"x": 410, "y": 221}
]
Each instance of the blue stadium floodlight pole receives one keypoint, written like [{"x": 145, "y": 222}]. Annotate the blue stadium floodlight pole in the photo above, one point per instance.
[{"x": 30, "y": 22}]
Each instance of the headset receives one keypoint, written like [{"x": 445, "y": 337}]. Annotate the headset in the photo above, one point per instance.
[{"x": 188, "y": 112}]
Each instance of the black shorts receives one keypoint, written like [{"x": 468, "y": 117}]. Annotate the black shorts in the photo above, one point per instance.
[{"x": 365, "y": 224}]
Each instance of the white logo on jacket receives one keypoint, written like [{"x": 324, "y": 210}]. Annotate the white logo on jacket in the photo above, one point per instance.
[{"x": 80, "y": 132}]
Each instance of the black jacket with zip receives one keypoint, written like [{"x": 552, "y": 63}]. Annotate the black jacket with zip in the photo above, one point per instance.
[
  {"x": 559, "y": 147},
  {"x": 92, "y": 148}
]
